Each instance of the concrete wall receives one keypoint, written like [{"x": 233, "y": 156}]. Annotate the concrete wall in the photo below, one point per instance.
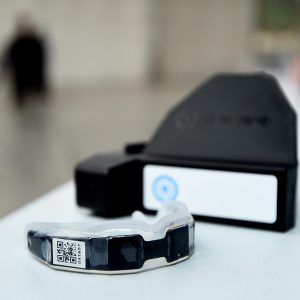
[
  {"x": 95, "y": 41},
  {"x": 90, "y": 41},
  {"x": 201, "y": 37}
]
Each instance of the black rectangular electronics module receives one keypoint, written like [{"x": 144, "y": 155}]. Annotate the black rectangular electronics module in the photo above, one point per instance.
[{"x": 228, "y": 151}]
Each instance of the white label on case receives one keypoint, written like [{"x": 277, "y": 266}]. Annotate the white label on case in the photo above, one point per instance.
[{"x": 223, "y": 194}]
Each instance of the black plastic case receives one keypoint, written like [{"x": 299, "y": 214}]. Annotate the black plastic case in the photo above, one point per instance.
[{"x": 236, "y": 123}]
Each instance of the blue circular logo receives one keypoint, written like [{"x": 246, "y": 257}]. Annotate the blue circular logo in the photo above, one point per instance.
[{"x": 165, "y": 188}]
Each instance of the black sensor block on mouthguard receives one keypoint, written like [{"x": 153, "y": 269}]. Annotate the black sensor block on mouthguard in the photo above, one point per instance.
[{"x": 228, "y": 151}]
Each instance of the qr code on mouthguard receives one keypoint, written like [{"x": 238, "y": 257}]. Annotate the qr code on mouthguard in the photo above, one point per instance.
[{"x": 68, "y": 253}]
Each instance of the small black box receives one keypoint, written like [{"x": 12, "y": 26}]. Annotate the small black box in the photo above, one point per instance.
[{"x": 229, "y": 151}]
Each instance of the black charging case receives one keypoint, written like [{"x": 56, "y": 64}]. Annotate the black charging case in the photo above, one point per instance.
[{"x": 228, "y": 150}]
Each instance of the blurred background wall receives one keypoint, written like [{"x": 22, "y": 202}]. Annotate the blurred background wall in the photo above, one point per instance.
[
  {"x": 89, "y": 41},
  {"x": 135, "y": 40},
  {"x": 200, "y": 38}
]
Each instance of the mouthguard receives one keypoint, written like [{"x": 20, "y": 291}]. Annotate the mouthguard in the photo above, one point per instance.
[{"x": 115, "y": 247}]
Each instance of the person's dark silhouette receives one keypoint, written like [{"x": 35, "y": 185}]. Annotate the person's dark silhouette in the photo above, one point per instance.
[{"x": 25, "y": 60}]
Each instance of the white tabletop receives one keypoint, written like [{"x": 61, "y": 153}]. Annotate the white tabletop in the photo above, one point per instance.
[{"x": 228, "y": 263}]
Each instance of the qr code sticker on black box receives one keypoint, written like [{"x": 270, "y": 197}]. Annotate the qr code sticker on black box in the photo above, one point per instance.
[{"x": 68, "y": 253}]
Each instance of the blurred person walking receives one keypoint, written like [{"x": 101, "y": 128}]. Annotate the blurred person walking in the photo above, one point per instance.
[{"x": 25, "y": 61}]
